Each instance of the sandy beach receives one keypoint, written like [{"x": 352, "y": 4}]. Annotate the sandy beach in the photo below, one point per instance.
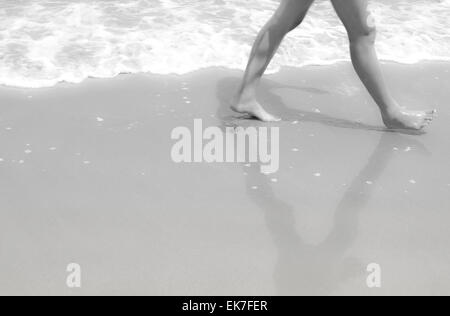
[{"x": 87, "y": 177}]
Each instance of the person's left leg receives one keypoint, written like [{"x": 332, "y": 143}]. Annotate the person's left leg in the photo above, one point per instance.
[
  {"x": 289, "y": 15},
  {"x": 361, "y": 30}
]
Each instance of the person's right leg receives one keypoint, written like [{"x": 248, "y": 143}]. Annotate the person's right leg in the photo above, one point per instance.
[
  {"x": 288, "y": 16},
  {"x": 362, "y": 32}
]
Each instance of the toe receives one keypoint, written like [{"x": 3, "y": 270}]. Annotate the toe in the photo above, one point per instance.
[
  {"x": 276, "y": 119},
  {"x": 266, "y": 117},
  {"x": 426, "y": 123},
  {"x": 273, "y": 119}
]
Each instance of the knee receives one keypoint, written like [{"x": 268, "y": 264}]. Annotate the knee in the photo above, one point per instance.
[{"x": 366, "y": 35}]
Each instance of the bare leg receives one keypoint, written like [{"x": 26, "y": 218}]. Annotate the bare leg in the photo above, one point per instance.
[
  {"x": 362, "y": 33},
  {"x": 288, "y": 16}
]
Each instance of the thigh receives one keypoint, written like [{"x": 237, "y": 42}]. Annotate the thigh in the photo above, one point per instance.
[
  {"x": 292, "y": 12},
  {"x": 355, "y": 16}
]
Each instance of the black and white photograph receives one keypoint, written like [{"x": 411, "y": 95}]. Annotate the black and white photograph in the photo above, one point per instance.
[{"x": 210, "y": 150}]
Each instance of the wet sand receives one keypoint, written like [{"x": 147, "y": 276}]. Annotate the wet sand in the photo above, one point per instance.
[{"x": 87, "y": 177}]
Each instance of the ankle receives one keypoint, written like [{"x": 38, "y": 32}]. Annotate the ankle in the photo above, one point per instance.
[
  {"x": 245, "y": 96},
  {"x": 391, "y": 109}
]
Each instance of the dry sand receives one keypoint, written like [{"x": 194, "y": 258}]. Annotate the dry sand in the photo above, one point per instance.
[{"x": 86, "y": 177}]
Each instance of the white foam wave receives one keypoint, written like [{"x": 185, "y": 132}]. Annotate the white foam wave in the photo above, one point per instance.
[{"x": 50, "y": 41}]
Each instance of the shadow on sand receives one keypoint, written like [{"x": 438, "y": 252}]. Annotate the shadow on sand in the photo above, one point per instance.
[{"x": 227, "y": 87}]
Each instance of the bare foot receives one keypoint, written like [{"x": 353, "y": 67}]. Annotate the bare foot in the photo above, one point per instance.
[
  {"x": 401, "y": 118},
  {"x": 254, "y": 109}
]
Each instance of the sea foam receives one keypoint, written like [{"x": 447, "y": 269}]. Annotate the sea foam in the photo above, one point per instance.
[{"x": 49, "y": 41}]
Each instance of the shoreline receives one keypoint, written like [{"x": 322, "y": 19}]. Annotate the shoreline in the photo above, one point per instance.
[{"x": 385, "y": 63}]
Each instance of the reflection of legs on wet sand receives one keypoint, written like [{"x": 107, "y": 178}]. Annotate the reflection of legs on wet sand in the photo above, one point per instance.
[
  {"x": 360, "y": 191},
  {"x": 309, "y": 269},
  {"x": 322, "y": 268}
]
